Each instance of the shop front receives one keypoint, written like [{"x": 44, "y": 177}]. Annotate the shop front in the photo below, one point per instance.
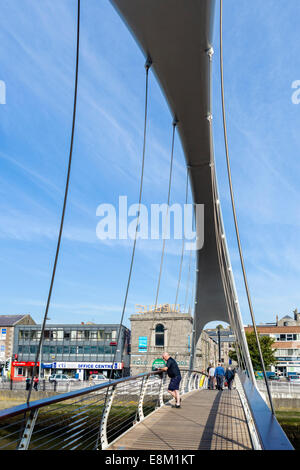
[
  {"x": 83, "y": 370},
  {"x": 21, "y": 370}
]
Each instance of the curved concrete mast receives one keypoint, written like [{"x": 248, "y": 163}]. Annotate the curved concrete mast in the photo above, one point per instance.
[{"x": 177, "y": 35}]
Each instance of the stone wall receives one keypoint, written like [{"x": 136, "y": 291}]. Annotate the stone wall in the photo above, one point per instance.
[{"x": 178, "y": 329}]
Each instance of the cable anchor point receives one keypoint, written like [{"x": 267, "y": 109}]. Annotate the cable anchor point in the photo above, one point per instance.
[
  {"x": 148, "y": 63},
  {"x": 210, "y": 53}
]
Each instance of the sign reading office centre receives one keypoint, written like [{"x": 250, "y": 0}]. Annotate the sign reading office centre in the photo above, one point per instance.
[{"x": 83, "y": 365}]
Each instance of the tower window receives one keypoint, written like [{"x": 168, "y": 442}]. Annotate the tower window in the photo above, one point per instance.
[{"x": 160, "y": 335}]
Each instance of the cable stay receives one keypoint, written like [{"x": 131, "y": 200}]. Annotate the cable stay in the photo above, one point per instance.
[
  {"x": 167, "y": 348},
  {"x": 64, "y": 205},
  {"x": 234, "y": 210},
  {"x": 148, "y": 64},
  {"x": 147, "y": 68},
  {"x": 181, "y": 261},
  {"x": 183, "y": 240},
  {"x": 168, "y": 207}
]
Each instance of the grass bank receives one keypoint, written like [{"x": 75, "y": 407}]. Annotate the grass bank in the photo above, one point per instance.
[{"x": 290, "y": 423}]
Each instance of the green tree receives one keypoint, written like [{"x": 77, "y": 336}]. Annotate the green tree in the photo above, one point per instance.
[{"x": 266, "y": 349}]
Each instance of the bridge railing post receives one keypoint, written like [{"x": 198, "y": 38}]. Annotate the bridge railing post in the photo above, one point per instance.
[
  {"x": 25, "y": 440},
  {"x": 182, "y": 383},
  {"x": 161, "y": 391},
  {"x": 190, "y": 382},
  {"x": 104, "y": 418},
  {"x": 195, "y": 382},
  {"x": 187, "y": 381},
  {"x": 141, "y": 399}
]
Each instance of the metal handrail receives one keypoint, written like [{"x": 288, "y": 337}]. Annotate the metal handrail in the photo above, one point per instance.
[
  {"x": 91, "y": 417},
  {"x": 270, "y": 434},
  {"x": 95, "y": 417},
  {"x": 69, "y": 395}
]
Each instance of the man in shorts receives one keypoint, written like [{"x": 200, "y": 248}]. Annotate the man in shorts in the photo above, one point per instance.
[{"x": 173, "y": 372}]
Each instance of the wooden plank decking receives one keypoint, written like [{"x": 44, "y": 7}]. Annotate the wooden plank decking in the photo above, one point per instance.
[{"x": 207, "y": 420}]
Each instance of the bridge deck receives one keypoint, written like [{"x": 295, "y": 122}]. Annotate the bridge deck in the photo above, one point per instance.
[{"x": 207, "y": 420}]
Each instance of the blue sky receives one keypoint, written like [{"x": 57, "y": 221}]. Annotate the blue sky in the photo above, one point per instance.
[{"x": 37, "y": 59}]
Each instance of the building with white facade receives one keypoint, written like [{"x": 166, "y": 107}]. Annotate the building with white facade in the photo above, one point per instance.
[
  {"x": 7, "y": 325},
  {"x": 77, "y": 350},
  {"x": 286, "y": 335}
]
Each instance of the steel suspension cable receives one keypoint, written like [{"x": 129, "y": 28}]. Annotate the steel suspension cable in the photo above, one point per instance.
[
  {"x": 174, "y": 124},
  {"x": 168, "y": 203},
  {"x": 183, "y": 239},
  {"x": 223, "y": 262},
  {"x": 234, "y": 209},
  {"x": 188, "y": 282},
  {"x": 181, "y": 259},
  {"x": 147, "y": 67},
  {"x": 64, "y": 204}
]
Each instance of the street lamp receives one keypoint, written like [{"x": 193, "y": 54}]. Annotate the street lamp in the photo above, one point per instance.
[{"x": 219, "y": 342}]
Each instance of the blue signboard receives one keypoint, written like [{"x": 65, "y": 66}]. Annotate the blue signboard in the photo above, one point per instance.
[
  {"x": 47, "y": 365},
  {"x": 143, "y": 343}
]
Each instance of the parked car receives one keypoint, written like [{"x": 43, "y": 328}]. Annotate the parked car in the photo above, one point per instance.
[
  {"x": 59, "y": 378},
  {"x": 274, "y": 377},
  {"x": 97, "y": 377},
  {"x": 294, "y": 379}
]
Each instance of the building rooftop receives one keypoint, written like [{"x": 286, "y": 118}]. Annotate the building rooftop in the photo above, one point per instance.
[
  {"x": 10, "y": 320},
  {"x": 75, "y": 325},
  {"x": 275, "y": 329}
]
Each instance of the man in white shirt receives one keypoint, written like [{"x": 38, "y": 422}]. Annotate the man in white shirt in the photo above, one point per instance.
[{"x": 211, "y": 378}]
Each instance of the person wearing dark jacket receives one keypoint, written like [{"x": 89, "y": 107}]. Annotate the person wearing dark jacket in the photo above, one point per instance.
[
  {"x": 229, "y": 376},
  {"x": 219, "y": 374},
  {"x": 173, "y": 372},
  {"x": 27, "y": 383}
]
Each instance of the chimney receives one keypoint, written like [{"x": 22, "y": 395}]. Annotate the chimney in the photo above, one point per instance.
[{"x": 276, "y": 320}]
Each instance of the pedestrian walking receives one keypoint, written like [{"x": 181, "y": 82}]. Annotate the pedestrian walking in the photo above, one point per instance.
[
  {"x": 219, "y": 374},
  {"x": 27, "y": 383},
  {"x": 35, "y": 383},
  {"x": 229, "y": 376},
  {"x": 173, "y": 372},
  {"x": 211, "y": 377}
]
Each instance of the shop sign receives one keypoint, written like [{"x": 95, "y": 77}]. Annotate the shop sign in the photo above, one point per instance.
[
  {"x": 139, "y": 362},
  {"x": 143, "y": 344},
  {"x": 25, "y": 364},
  {"x": 87, "y": 365},
  {"x": 158, "y": 364}
]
